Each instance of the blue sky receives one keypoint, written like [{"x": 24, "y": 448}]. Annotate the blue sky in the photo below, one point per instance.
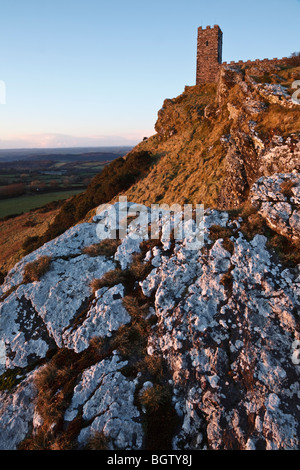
[{"x": 96, "y": 72}]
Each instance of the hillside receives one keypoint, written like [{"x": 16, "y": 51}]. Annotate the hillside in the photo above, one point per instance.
[
  {"x": 14, "y": 230},
  {"x": 130, "y": 342},
  {"x": 213, "y": 141}
]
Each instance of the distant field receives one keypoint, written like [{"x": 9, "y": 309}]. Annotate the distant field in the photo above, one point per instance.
[{"x": 18, "y": 205}]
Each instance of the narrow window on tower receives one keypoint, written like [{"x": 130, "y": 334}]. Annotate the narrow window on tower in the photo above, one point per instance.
[{"x": 207, "y": 43}]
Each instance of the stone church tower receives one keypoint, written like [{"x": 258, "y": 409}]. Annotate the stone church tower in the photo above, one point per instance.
[{"x": 209, "y": 54}]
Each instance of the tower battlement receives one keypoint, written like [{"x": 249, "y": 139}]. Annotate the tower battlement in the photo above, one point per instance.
[{"x": 209, "y": 54}]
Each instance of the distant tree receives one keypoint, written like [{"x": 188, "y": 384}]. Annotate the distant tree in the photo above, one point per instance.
[
  {"x": 12, "y": 190},
  {"x": 54, "y": 183},
  {"x": 35, "y": 184},
  {"x": 69, "y": 180}
]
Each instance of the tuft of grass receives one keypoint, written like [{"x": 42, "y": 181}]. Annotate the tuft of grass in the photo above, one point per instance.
[
  {"x": 98, "y": 441},
  {"x": 110, "y": 279},
  {"x": 107, "y": 247},
  {"x": 227, "y": 281},
  {"x": 133, "y": 307},
  {"x": 216, "y": 232},
  {"x": 138, "y": 269},
  {"x": 161, "y": 418},
  {"x": 11, "y": 378},
  {"x": 288, "y": 251},
  {"x": 132, "y": 340},
  {"x": 36, "y": 269},
  {"x": 156, "y": 397},
  {"x": 286, "y": 188}
]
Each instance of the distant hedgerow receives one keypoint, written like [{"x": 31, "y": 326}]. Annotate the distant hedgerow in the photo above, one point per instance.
[{"x": 114, "y": 179}]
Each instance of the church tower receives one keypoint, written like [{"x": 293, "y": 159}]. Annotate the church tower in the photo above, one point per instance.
[{"x": 209, "y": 54}]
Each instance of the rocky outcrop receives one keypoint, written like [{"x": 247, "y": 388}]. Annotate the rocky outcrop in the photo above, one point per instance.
[
  {"x": 250, "y": 154},
  {"x": 198, "y": 342},
  {"x": 228, "y": 341},
  {"x": 216, "y": 139},
  {"x": 277, "y": 199}
]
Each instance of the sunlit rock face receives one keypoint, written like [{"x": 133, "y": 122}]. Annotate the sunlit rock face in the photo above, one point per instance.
[
  {"x": 223, "y": 318},
  {"x": 277, "y": 198}
]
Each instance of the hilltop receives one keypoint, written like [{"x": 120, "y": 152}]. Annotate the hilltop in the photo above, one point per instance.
[
  {"x": 214, "y": 140},
  {"x": 211, "y": 143},
  {"x": 134, "y": 343}
]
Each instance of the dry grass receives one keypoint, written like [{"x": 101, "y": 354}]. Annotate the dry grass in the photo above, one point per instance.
[
  {"x": 155, "y": 397},
  {"x": 227, "y": 281},
  {"x": 36, "y": 269},
  {"x": 286, "y": 188},
  {"x": 109, "y": 279},
  {"x": 14, "y": 231},
  {"x": 140, "y": 270},
  {"x": 107, "y": 247},
  {"x": 286, "y": 121},
  {"x": 288, "y": 251},
  {"x": 131, "y": 341},
  {"x": 190, "y": 165},
  {"x": 55, "y": 384},
  {"x": 98, "y": 441},
  {"x": 216, "y": 232},
  {"x": 134, "y": 308}
]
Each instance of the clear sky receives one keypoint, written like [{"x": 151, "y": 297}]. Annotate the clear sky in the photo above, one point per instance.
[{"x": 96, "y": 72}]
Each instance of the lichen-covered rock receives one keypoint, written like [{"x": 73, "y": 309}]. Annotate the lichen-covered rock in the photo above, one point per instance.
[
  {"x": 277, "y": 199},
  {"x": 16, "y": 414},
  {"x": 106, "y": 398},
  {"x": 35, "y": 315},
  {"x": 222, "y": 318},
  {"x": 230, "y": 348},
  {"x": 105, "y": 315}
]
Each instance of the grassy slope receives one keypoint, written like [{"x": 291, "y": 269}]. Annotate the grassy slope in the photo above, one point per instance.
[
  {"x": 18, "y": 205},
  {"x": 13, "y": 232},
  {"x": 192, "y": 162},
  {"x": 185, "y": 161}
]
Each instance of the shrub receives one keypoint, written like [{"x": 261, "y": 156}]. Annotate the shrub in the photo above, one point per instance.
[{"x": 36, "y": 269}]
